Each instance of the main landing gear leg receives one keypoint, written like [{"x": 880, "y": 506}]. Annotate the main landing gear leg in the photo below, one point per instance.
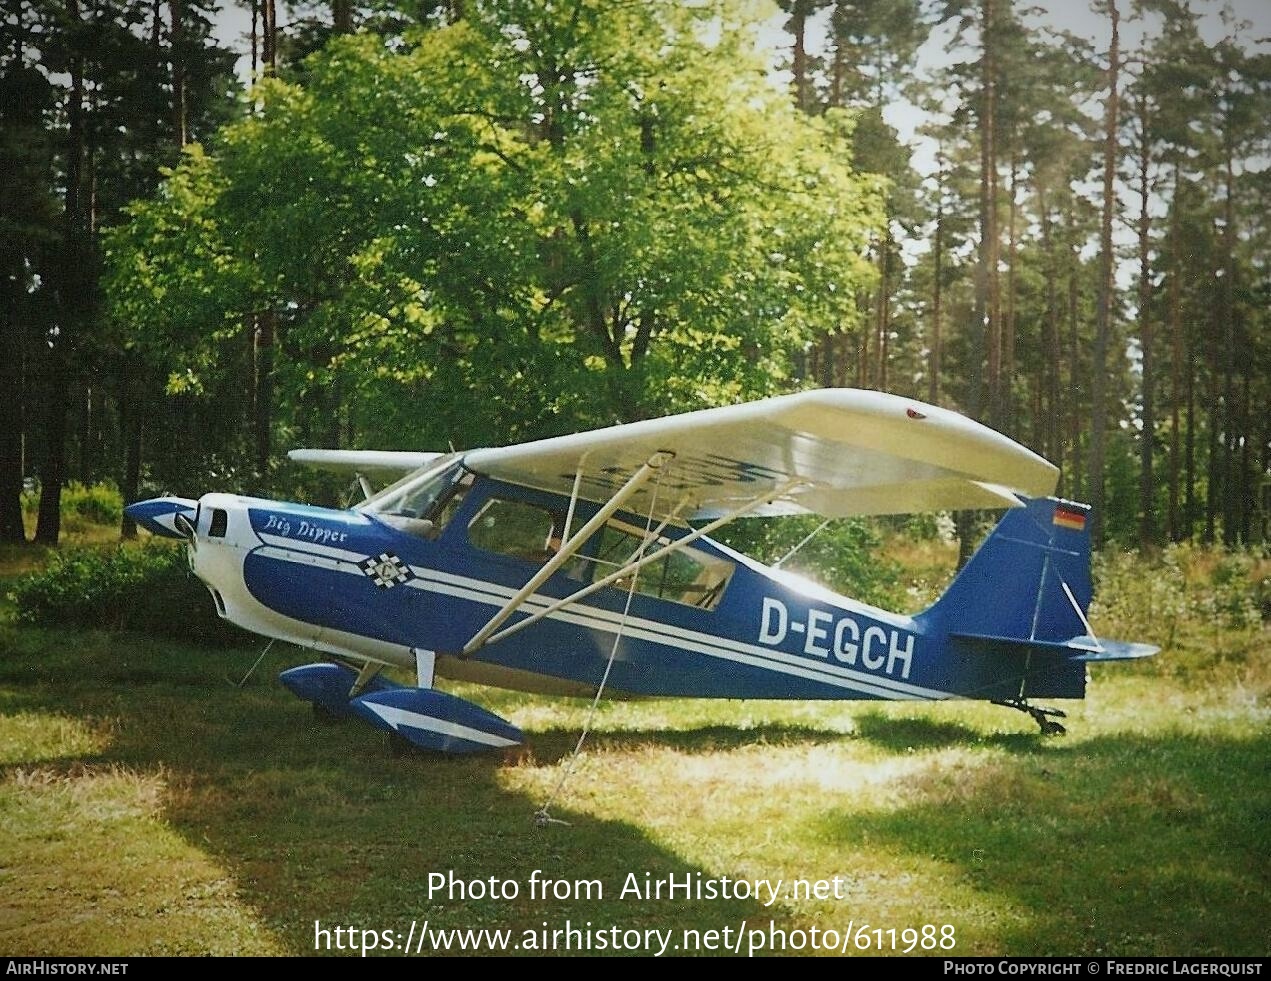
[
  {"x": 1044, "y": 717},
  {"x": 326, "y": 715}
]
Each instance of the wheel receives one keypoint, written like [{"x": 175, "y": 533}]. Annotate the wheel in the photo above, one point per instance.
[
  {"x": 324, "y": 716},
  {"x": 1052, "y": 728}
]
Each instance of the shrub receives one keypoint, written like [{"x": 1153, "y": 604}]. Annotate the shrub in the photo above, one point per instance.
[
  {"x": 100, "y": 504},
  {"x": 149, "y": 589},
  {"x": 1153, "y": 598},
  {"x": 844, "y": 555}
]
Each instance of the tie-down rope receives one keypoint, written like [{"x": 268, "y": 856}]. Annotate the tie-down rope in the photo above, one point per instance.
[{"x": 543, "y": 817}]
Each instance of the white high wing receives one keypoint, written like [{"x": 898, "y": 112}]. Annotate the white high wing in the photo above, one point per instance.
[{"x": 833, "y": 452}]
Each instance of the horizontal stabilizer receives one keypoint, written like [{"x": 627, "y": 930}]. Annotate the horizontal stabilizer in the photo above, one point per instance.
[
  {"x": 1119, "y": 650},
  {"x": 436, "y": 720},
  {"x": 1084, "y": 648}
]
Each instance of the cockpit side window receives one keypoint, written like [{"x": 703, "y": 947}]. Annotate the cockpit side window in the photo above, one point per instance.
[
  {"x": 401, "y": 496},
  {"x": 418, "y": 501},
  {"x": 687, "y": 575},
  {"x": 515, "y": 528}
]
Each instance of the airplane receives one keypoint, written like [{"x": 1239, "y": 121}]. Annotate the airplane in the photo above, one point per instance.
[{"x": 581, "y": 564}]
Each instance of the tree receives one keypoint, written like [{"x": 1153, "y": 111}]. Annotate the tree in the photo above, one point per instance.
[
  {"x": 872, "y": 46},
  {"x": 583, "y": 217},
  {"x": 1103, "y": 312},
  {"x": 28, "y": 214},
  {"x": 102, "y": 94}
]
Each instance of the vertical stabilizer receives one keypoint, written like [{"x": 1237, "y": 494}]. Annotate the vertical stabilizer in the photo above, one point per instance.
[{"x": 1030, "y": 580}]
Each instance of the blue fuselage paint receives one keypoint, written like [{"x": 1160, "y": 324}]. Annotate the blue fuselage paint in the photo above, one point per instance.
[{"x": 348, "y": 577}]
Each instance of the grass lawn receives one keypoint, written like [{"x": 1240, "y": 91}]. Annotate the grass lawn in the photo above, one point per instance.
[{"x": 149, "y": 806}]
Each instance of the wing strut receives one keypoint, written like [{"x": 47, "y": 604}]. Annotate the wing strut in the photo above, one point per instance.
[
  {"x": 543, "y": 816},
  {"x": 573, "y": 502},
  {"x": 567, "y": 550},
  {"x": 637, "y": 563}
]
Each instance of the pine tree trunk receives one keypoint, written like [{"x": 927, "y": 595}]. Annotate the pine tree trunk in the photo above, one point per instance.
[
  {"x": 133, "y": 412},
  {"x": 180, "y": 113},
  {"x": 1228, "y": 485},
  {"x": 838, "y": 68},
  {"x": 1103, "y": 312},
  {"x": 828, "y": 365},
  {"x": 1049, "y": 411},
  {"x": 1214, "y": 493},
  {"x": 52, "y": 474},
  {"x": 1260, "y": 487},
  {"x": 1075, "y": 382},
  {"x": 269, "y": 37},
  {"x": 799, "y": 61},
  {"x": 884, "y": 311},
  {"x": 1147, "y": 440},
  {"x": 342, "y": 16},
  {"x": 72, "y": 296},
  {"x": 987, "y": 304},
  {"x": 1176, "y": 372},
  {"x": 1246, "y": 486},
  {"x": 862, "y": 361},
  {"x": 87, "y": 436},
  {"x": 1008, "y": 322},
  {"x": 979, "y": 333},
  {"x": 1189, "y": 509},
  {"x": 12, "y": 336},
  {"x": 265, "y": 340}
]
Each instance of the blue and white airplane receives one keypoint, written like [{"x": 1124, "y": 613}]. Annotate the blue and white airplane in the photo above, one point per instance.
[{"x": 582, "y": 561}]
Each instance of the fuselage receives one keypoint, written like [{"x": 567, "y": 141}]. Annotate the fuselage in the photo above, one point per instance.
[{"x": 426, "y": 566}]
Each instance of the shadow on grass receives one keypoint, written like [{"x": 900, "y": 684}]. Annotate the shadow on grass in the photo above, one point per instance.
[
  {"x": 318, "y": 824},
  {"x": 1129, "y": 845},
  {"x": 901, "y": 735},
  {"x": 554, "y": 744}
]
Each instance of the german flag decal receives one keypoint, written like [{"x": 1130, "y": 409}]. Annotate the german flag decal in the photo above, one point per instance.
[{"x": 1072, "y": 518}]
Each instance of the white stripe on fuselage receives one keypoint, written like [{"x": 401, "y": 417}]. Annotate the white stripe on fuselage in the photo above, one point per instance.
[
  {"x": 312, "y": 548},
  {"x": 666, "y": 635},
  {"x": 656, "y": 632}
]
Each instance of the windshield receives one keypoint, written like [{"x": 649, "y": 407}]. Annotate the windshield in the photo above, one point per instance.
[{"x": 415, "y": 494}]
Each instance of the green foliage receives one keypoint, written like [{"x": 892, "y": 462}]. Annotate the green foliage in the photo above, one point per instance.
[
  {"x": 927, "y": 526},
  {"x": 1121, "y": 489},
  {"x": 844, "y": 555},
  {"x": 1155, "y": 599},
  {"x": 147, "y": 589},
  {"x": 585, "y": 219},
  {"x": 95, "y": 503}
]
